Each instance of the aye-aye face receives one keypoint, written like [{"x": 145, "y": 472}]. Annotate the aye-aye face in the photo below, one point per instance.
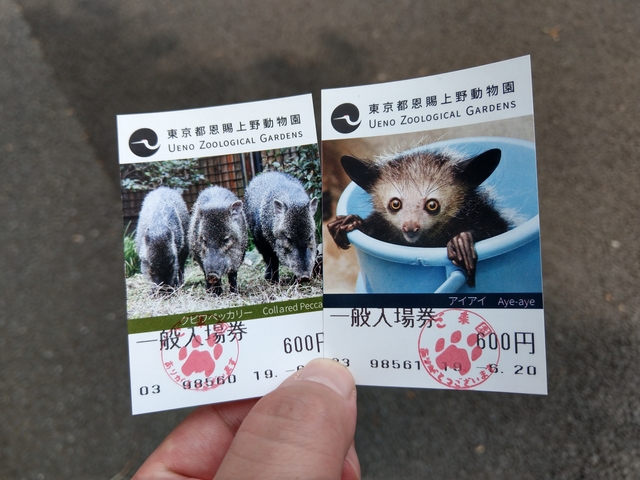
[
  {"x": 420, "y": 192},
  {"x": 417, "y": 196}
]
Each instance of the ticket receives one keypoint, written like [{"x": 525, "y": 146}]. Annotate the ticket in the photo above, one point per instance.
[
  {"x": 432, "y": 271},
  {"x": 222, "y": 227}
]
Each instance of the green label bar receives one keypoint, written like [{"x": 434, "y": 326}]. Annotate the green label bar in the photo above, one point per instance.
[{"x": 234, "y": 314}]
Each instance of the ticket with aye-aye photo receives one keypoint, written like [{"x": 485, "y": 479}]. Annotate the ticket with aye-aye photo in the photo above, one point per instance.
[
  {"x": 222, "y": 235},
  {"x": 432, "y": 269},
  {"x": 414, "y": 259}
]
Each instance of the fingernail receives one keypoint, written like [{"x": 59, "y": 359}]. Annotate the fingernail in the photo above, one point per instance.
[
  {"x": 329, "y": 373},
  {"x": 353, "y": 463}
]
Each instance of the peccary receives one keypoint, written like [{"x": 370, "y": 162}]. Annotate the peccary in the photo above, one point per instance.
[
  {"x": 218, "y": 237},
  {"x": 161, "y": 237},
  {"x": 280, "y": 217}
]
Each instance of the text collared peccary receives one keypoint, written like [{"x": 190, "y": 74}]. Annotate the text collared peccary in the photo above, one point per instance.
[
  {"x": 218, "y": 237},
  {"x": 280, "y": 217},
  {"x": 161, "y": 237}
]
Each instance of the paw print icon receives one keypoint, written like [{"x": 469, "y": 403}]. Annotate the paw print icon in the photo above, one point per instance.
[{"x": 451, "y": 353}]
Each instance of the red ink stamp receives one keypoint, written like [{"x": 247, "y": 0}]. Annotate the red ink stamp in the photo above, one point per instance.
[
  {"x": 458, "y": 352},
  {"x": 200, "y": 358}
]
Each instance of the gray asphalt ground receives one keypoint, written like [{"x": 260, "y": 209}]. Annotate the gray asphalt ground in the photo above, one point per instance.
[{"x": 68, "y": 67}]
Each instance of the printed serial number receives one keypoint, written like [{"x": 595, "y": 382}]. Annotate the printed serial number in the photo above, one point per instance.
[
  {"x": 396, "y": 364},
  {"x": 208, "y": 382},
  {"x": 144, "y": 390},
  {"x": 343, "y": 361}
]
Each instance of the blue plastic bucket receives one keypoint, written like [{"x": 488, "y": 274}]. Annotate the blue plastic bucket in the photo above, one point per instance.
[{"x": 509, "y": 262}]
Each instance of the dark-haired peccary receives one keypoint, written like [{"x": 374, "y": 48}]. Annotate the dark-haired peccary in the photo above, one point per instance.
[
  {"x": 218, "y": 237},
  {"x": 161, "y": 237},
  {"x": 280, "y": 216}
]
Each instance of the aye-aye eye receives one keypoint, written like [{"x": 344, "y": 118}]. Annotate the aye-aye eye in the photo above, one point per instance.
[
  {"x": 432, "y": 206},
  {"x": 395, "y": 204}
]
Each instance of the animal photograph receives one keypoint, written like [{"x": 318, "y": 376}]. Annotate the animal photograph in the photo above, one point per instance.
[
  {"x": 209, "y": 233},
  {"x": 434, "y": 212}
]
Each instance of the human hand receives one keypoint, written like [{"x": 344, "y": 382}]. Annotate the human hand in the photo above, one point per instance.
[{"x": 302, "y": 429}]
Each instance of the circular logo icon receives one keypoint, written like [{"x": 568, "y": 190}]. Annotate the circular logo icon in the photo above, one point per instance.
[
  {"x": 346, "y": 118},
  {"x": 144, "y": 142}
]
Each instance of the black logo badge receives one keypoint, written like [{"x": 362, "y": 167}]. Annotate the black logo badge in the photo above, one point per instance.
[
  {"x": 144, "y": 142},
  {"x": 346, "y": 118}
]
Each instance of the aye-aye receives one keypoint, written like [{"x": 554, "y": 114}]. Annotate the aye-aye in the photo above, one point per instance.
[{"x": 424, "y": 198}]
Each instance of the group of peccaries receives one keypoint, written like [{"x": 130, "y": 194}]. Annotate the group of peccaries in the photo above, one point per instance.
[{"x": 276, "y": 209}]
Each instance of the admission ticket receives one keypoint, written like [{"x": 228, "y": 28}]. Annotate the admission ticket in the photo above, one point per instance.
[
  {"x": 425, "y": 257},
  {"x": 222, "y": 223},
  {"x": 432, "y": 246}
]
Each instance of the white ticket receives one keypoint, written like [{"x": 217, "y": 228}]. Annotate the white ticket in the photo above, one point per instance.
[
  {"x": 222, "y": 223},
  {"x": 432, "y": 271},
  {"x": 200, "y": 364},
  {"x": 429, "y": 272}
]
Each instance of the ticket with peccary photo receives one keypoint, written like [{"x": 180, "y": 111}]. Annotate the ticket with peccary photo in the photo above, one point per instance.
[
  {"x": 432, "y": 269},
  {"x": 222, "y": 250}
]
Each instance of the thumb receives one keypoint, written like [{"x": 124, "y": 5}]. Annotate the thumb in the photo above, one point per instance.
[{"x": 302, "y": 429}]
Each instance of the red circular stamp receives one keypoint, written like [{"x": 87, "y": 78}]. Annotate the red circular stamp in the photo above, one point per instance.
[
  {"x": 455, "y": 349},
  {"x": 199, "y": 358}
]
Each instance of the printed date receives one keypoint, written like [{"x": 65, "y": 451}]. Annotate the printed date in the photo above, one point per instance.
[{"x": 517, "y": 369}]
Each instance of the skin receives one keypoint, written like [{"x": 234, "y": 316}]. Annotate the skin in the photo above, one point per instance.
[{"x": 303, "y": 429}]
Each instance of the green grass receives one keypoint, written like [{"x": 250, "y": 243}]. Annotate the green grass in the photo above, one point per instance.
[
  {"x": 253, "y": 289},
  {"x": 131, "y": 259}
]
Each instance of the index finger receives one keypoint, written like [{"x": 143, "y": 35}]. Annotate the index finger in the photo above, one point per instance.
[{"x": 196, "y": 447}]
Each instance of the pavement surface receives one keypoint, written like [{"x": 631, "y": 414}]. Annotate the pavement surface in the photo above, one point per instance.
[{"x": 68, "y": 67}]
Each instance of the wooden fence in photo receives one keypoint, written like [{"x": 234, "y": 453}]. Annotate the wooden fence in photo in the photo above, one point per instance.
[{"x": 230, "y": 171}]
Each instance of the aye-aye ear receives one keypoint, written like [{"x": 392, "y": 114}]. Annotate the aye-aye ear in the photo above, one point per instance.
[
  {"x": 364, "y": 174},
  {"x": 476, "y": 170}
]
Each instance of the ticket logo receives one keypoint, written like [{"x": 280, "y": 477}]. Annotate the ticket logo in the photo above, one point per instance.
[
  {"x": 200, "y": 358},
  {"x": 144, "y": 142},
  {"x": 346, "y": 118},
  {"x": 450, "y": 349}
]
